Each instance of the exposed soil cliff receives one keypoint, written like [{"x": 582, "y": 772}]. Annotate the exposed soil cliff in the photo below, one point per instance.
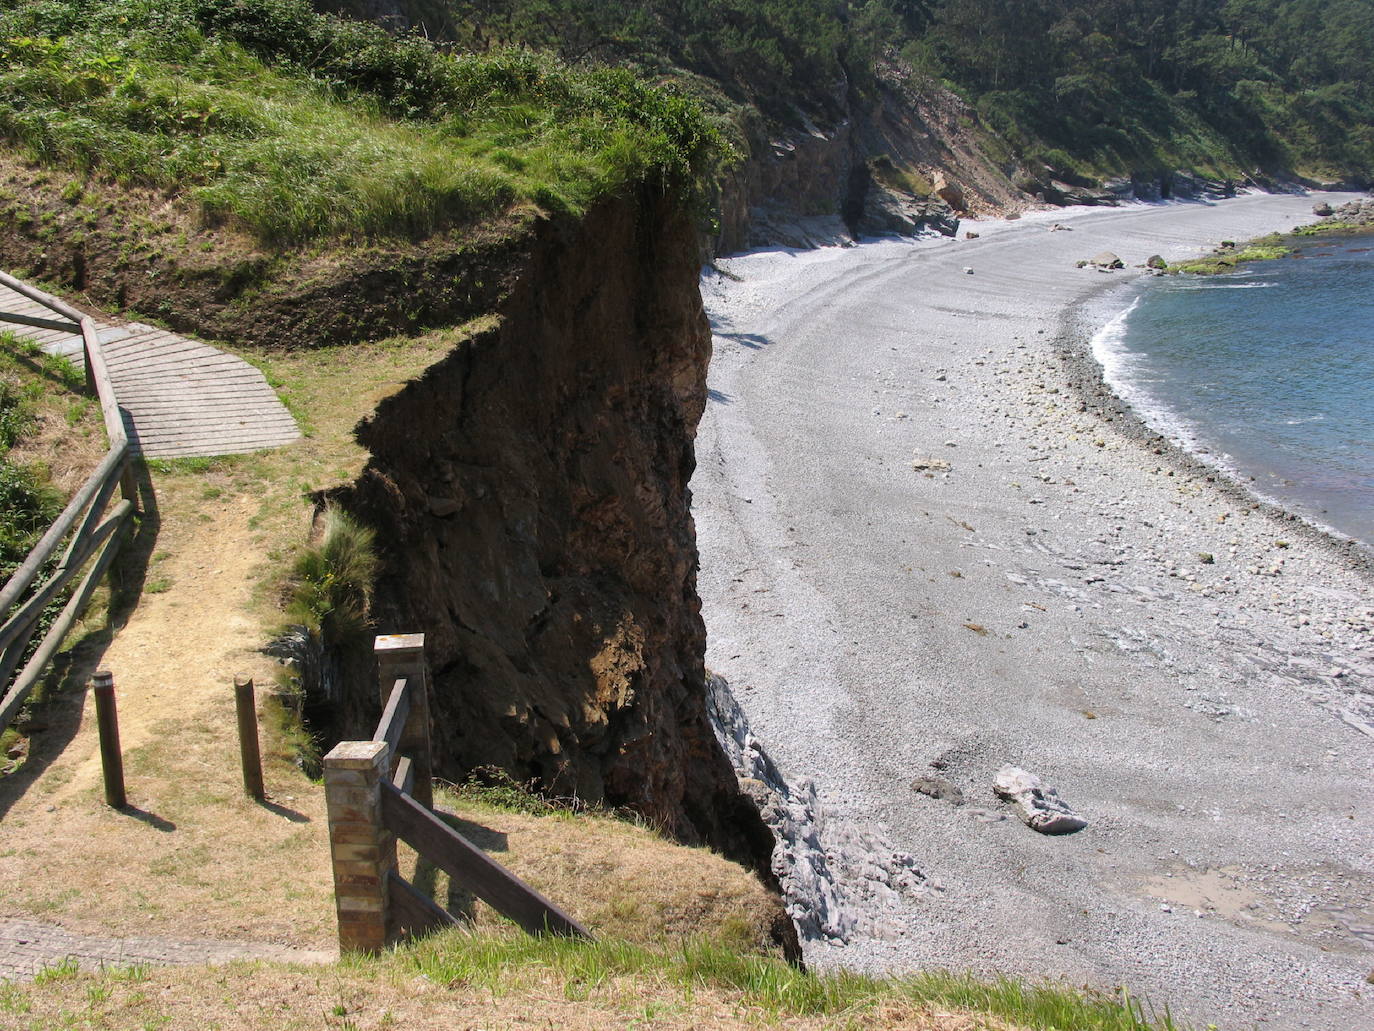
[
  {"x": 530, "y": 496},
  {"x": 897, "y": 160}
]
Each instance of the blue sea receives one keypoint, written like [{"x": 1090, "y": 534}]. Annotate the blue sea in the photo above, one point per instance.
[{"x": 1268, "y": 373}]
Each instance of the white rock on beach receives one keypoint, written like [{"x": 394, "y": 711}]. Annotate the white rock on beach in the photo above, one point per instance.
[{"x": 1041, "y": 809}]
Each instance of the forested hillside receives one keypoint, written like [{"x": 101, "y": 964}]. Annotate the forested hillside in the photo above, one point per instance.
[{"x": 1090, "y": 89}]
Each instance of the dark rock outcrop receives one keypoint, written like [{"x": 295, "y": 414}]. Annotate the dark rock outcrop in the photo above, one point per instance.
[{"x": 530, "y": 497}]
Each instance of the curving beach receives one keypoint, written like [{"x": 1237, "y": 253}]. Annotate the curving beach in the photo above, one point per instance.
[{"x": 934, "y": 544}]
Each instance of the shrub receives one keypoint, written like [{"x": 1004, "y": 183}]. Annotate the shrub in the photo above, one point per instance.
[{"x": 331, "y": 594}]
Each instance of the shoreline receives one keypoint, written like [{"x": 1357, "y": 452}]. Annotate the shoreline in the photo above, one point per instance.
[
  {"x": 1075, "y": 343},
  {"x": 933, "y": 542}
]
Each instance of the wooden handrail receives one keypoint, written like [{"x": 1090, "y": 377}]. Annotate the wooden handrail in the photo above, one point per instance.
[{"x": 97, "y": 531}]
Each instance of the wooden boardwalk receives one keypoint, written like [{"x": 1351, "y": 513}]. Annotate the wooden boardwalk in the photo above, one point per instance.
[{"x": 179, "y": 398}]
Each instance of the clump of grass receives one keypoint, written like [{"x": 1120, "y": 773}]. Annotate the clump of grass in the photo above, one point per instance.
[
  {"x": 331, "y": 592},
  {"x": 296, "y": 125},
  {"x": 494, "y": 787},
  {"x": 503, "y": 964}
]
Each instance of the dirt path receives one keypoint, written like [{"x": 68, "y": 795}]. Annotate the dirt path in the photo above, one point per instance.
[{"x": 191, "y": 857}]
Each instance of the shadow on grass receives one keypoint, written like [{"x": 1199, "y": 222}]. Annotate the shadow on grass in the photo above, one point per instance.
[
  {"x": 151, "y": 819},
  {"x": 284, "y": 812},
  {"x": 57, "y": 707},
  {"x": 460, "y": 902}
]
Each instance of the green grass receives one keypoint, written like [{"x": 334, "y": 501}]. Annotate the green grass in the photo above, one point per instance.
[
  {"x": 296, "y": 126},
  {"x": 507, "y": 963}
]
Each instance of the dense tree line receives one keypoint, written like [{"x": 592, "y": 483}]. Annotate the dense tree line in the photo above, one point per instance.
[{"x": 1094, "y": 84}]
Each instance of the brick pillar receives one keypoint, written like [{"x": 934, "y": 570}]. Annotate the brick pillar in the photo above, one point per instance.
[
  {"x": 403, "y": 655},
  {"x": 362, "y": 849}
]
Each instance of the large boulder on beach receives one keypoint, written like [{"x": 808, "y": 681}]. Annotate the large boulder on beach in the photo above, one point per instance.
[
  {"x": 1039, "y": 805},
  {"x": 1321, "y": 209},
  {"x": 1156, "y": 261},
  {"x": 1106, "y": 260}
]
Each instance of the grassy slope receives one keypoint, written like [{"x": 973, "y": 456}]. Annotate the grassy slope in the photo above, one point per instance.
[{"x": 297, "y": 126}]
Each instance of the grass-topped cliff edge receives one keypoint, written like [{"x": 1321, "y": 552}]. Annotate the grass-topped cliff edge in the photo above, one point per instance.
[{"x": 297, "y": 127}]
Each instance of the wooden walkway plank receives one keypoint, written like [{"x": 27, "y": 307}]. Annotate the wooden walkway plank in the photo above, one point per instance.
[{"x": 180, "y": 398}]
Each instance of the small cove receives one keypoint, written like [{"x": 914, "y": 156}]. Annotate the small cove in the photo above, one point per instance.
[{"x": 1267, "y": 373}]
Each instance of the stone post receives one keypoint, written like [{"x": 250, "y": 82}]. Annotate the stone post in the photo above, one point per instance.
[
  {"x": 403, "y": 655},
  {"x": 362, "y": 849}
]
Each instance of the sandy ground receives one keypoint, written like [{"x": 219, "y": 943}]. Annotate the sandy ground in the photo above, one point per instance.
[{"x": 1046, "y": 602}]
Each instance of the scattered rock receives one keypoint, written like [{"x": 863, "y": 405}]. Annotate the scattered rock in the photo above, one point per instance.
[
  {"x": 970, "y": 235},
  {"x": 1106, "y": 260},
  {"x": 1060, "y": 228},
  {"x": 968, "y": 271},
  {"x": 1321, "y": 209},
  {"x": 1041, "y": 809},
  {"x": 938, "y": 787},
  {"x": 1156, "y": 261},
  {"x": 1228, "y": 245},
  {"x": 932, "y": 465}
]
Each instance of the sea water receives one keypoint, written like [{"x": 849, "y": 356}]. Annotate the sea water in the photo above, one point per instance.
[{"x": 1267, "y": 373}]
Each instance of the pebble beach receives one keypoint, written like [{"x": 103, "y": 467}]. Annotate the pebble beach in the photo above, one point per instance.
[{"x": 934, "y": 544}]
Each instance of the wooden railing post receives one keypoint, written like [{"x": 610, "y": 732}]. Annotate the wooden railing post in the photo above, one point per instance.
[
  {"x": 107, "y": 722},
  {"x": 403, "y": 655},
  {"x": 250, "y": 756},
  {"x": 362, "y": 850}
]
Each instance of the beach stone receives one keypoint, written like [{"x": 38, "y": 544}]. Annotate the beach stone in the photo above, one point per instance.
[
  {"x": 1321, "y": 209},
  {"x": 970, "y": 235},
  {"x": 1038, "y": 804},
  {"x": 938, "y": 787},
  {"x": 1106, "y": 259},
  {"x": 1156, "y": 261},
  {"x": 934, "y": 465}
]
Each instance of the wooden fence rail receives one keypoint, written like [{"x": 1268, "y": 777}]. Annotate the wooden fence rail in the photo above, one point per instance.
[
  {"x": 376, "y": 795},
  {"x": 95, "y": 529}
]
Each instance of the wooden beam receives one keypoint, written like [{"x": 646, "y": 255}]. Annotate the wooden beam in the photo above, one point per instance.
[
  {"x": 70, "y": 328},
  {"x": 404, "y": 777},
  {"x": 393, "y": 722},
  {"x": 46, "y": 300},
  {"x": 412, "y": 912},
  {"x": 491, "y": 882}
]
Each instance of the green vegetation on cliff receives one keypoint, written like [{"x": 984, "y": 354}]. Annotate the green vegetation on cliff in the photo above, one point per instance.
[
  {"x": 295, "y": 125},
  {"x": 1223, "y": 87}
]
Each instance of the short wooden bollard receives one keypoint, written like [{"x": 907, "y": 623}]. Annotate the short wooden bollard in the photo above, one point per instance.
[
  {"x": 250, "y": 756},
  {"x": 107, "y": 721}
]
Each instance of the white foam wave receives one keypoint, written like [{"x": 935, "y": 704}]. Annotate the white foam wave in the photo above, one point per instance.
[{"x": 1224, "y": 286}]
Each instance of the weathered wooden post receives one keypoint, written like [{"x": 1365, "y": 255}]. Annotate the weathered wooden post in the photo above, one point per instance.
[
  {"x": 250, "y": 755},
  {"x": 107, "y": 723},
  {"x": 403, "y": 656},
  {"x": 362, "y": 850}
]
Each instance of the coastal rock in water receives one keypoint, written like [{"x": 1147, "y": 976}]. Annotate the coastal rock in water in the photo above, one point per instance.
[
  {"x": 1156, "y": 261},
  {"x": 1321, "y": 209},
  {"x": 1040, "y": 807},
  {"x": 1106, "y": 259},
  {"x": 938, "y": 787}
]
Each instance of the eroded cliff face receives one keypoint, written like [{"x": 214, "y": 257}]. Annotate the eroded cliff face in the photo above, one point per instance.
[
  {"x": 531, "y": 502},
  {"x": 901, "y": 159}
]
